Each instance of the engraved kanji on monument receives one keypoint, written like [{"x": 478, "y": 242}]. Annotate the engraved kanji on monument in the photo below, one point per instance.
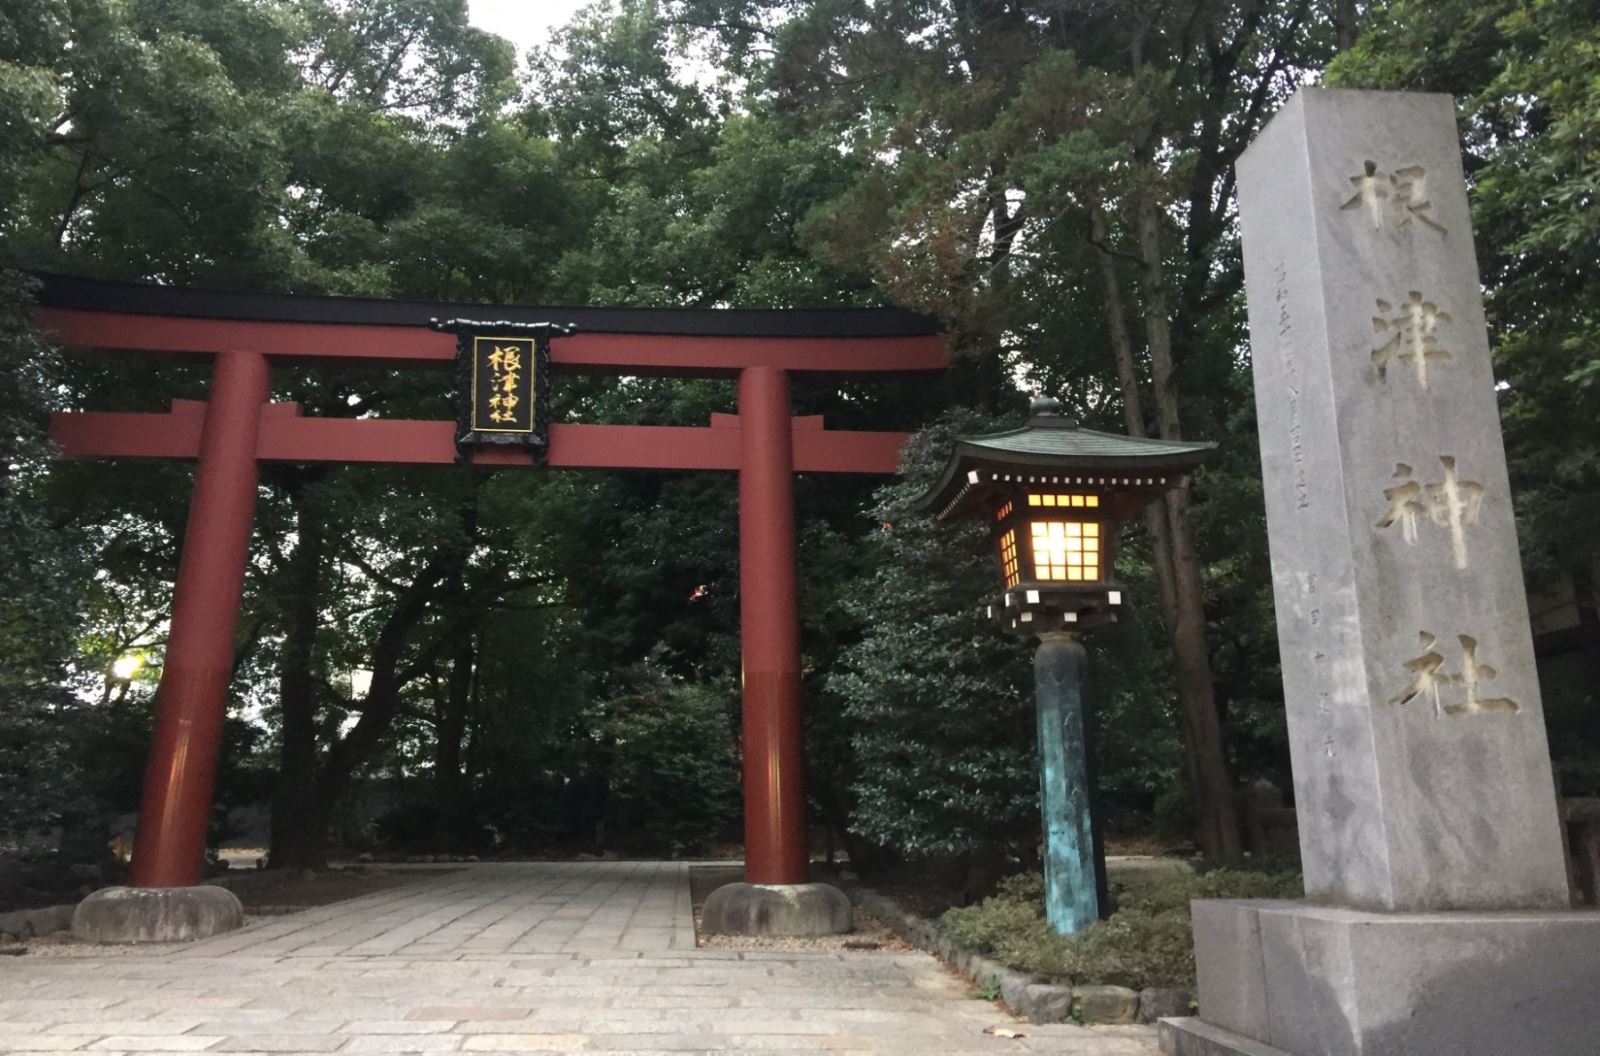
[{"x": 1422, "y": 772}]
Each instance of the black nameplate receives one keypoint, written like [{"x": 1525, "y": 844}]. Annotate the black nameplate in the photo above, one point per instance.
[{"x": 503, "y": 383}]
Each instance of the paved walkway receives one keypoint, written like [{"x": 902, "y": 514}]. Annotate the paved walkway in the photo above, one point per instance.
[{"x": 541, "y": 957}]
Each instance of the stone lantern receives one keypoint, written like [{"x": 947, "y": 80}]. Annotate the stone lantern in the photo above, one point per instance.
[{"x": 1053, "y": 495}]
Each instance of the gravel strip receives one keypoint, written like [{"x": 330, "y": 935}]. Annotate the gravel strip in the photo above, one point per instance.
[{"x": 869, "y": 936}]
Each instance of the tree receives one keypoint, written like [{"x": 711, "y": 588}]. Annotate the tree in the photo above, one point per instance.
[
  {"x": 149, "y": 153},
  {"x": 672, "y": 763}
]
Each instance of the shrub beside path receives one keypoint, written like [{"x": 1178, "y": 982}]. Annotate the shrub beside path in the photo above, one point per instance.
[{"x": 542, "y": 957}]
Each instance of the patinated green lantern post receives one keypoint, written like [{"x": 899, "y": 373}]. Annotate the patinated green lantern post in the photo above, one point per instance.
[{"x": 1053, "y": 495}]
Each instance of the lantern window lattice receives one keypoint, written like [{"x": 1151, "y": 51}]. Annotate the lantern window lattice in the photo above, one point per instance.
[
  {"x": 1066, "y": 551},
  {"x": 1008, "y": 558}
]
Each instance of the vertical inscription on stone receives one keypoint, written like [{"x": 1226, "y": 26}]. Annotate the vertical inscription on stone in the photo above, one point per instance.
[
  {"x": 1410, "y": 331},
  {"x": 1319, "y": 665},
  {"x": 1291, "y": 373}
]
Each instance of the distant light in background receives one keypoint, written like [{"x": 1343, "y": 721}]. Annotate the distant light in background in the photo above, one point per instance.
[
  {"x": 360, "y": 682},
  {"x": 125, "y": 667},
  {"x": 525, "y": 25}
]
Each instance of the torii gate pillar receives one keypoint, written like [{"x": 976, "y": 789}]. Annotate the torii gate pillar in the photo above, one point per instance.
[
  {"x": 191, "y": 700},
  {"x": 775, "y": 898},
  {"x": 774, "y": 794},
  {"x": 162, "y": 902}
]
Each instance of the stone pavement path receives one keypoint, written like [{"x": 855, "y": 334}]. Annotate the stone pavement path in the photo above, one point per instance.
[{"x": 529, "y": 957}]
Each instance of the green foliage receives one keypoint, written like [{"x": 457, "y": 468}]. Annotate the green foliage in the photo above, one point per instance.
[
  {"x": 382, "y": 147},
  {"x": 40, "y": 580},
  {"x": 673, "y": 762},
  {"x": 938, "y": 701},
  {"x": 989, "y": 143},
  {"x": 1148, "y": 941},
  {"x": 1173, "y": 811},
  {"x": 298, "y": 145}
]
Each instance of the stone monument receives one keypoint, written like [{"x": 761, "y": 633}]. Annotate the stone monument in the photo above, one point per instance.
[{"x": 1437, "y": 918}]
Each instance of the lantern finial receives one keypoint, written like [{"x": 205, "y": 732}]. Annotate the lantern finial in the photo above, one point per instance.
[{"x": 1044, "y": 412}]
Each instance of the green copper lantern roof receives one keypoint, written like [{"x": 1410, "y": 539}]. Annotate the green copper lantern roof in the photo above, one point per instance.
[{"x": 1054, "y": 451}]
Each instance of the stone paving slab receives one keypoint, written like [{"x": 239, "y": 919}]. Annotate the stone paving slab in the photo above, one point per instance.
[{"x": 528, "y": 957}]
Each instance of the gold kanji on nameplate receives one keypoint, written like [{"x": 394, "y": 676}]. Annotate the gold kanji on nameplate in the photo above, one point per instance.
[{"x": 502, "y": 385}]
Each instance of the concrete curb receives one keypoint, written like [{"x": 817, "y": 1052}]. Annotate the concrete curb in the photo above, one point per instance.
[{"x": 1035, "y": 999}]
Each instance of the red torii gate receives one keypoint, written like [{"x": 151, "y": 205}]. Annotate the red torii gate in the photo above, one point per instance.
[{"x": 244, "y": 334}]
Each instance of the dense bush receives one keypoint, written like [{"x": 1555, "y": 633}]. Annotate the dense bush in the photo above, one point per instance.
[
  {"x": 673, "y": 764},
  {"x": 938, "y": 701},
  {"x": 1148, "y": 941},
  {"x": 40, "y": 777}
]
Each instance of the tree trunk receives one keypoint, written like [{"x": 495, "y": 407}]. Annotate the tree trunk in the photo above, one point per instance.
[
  {"x": 303, "y": 843},
  {"x": 1202, "y": 724},
  {"x": 1345, "y": 23},
  {"x": 308, "y": 801},
  {"x": 1178, "y": 565},
  {"x": 309, "y": 793},
  {"x": 293, "y": 823},
  {"x": 390, "y": 675},
  {"x": 448, "y": 784},
  {"x": 1155, "y": 515},
  {"x": 1583, "y": 596}
]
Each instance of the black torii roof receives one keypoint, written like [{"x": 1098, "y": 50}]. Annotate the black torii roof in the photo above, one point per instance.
[{"x": 73, "y": 291}]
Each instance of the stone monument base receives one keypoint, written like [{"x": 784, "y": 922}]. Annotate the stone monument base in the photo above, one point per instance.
[
  {"x": 1294, "y": 979},
  {"x": 1192, "y": 1036},
  {"x": 777, "y": 910},
  {"x": 156, "y": 914}
]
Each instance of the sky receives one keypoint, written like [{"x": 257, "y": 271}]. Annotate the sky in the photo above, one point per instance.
[{"x": 523, "y": 22}]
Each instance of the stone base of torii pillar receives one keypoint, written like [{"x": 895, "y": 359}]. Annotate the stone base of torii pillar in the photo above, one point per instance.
[
  {"x": 776, "y": 910},
  {"x": 156, "y": 914},
  {"x": 1438, "y": 919}
]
